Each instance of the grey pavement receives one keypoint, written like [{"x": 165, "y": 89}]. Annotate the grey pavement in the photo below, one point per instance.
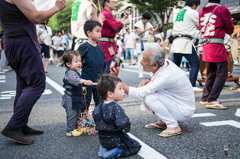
[{"x": 196, "y": 140}]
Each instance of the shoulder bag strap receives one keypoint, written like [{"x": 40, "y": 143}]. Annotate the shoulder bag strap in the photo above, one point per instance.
[{"x": 209, "y": 18}]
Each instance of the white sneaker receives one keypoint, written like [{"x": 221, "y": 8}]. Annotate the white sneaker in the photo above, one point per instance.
[
  {"x": 5, "y": 70},
  {"x": 140, "y": 76},
  {"x": 196, "y": 89}
]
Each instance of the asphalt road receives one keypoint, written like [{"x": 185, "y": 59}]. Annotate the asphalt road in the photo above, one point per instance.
[{"x": 209, "y": 134}]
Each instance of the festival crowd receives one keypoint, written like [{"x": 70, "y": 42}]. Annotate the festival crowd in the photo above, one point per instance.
[{"x": 100, "y": 45}]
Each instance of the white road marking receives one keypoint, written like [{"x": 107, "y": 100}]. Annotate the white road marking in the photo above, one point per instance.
[
  {"x": 238, "y": 113},
  {"x": 2, "y": 81},
  {"x": 9, "y": 94},
  {"x": 59, "y": 88},
  {"x": 146, "y": 151},
  {"x": 219, "y": 123},
  {"x": 203, "y": 115},
  {"x": 5, "y": 97},
  {"x": 3, "y": 77},
  {"x": 2, "y": 72}
]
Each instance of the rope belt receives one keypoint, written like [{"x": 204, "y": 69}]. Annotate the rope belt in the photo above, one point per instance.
[
  {"x": 212, "y": 41},
  {"x": 106, "y": 39}
]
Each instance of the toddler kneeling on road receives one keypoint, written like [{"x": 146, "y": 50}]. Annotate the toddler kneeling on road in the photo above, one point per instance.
[{"x": 111, "y": 121}]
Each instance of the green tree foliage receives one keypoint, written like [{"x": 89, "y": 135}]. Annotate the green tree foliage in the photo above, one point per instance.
[
  {"x": 62, "y": 20},
  {"x": 159, "y": 9}
]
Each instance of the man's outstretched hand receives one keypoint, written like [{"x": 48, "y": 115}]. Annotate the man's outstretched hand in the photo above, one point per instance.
[{"x": 144, "y": 82}]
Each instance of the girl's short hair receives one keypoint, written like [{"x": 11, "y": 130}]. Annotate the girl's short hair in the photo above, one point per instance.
[
  {"x": 107, "y": 83},
  {"x": 68, "y": 56}
]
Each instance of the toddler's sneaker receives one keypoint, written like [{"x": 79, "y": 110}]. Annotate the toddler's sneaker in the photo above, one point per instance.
[
  {"x": 74, "y": 133},
  {"x": 102, "y": 151},
  {"x": 114, "y": 153}
]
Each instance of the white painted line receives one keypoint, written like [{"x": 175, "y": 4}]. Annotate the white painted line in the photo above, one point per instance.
[
  {"x": 2, "y": 81},
  {"x": 9, "y": 92},
  {"x": 55, "y": 85},
  {"x": 47, "y": 91},
  {"x": 2, "y": 72},
  {"x": 238, "y": 113},
  {"x": 8, "y": 95},
  {"x": 146, "y": 151},
  {"x": 219, "y": 123},
  {"x": 203, "y": 115},
  {"x": 3, "y": 77},
  {"x": 5, "y": 97}
]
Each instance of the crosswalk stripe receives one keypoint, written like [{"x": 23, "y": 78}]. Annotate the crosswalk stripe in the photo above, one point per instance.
[{"x": 203, "y": 115}]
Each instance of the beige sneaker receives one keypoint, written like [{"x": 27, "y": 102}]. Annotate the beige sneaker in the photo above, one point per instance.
[{"x": 76, "y": 132}]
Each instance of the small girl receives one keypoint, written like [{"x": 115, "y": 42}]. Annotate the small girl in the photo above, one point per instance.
[{"x": 73, "y": 100}]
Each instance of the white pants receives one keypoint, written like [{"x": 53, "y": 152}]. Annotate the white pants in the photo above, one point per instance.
[{"x": 168, "y": 111}]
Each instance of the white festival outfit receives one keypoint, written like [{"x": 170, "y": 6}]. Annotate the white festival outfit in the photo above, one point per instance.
[
  {"x": 169, "y": 94},
  {"x": 187, "y": 25},
  {"x": 144, "y": 38},
  {"x": 45, "y": 34},
  {"x": 81, "y": 12}
]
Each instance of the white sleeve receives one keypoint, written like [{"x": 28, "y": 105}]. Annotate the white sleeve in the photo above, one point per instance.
[
  {"x": 125, "y": 37},
  {"x": 89, "y": 10},
  {"x": 37, "y": 28},
  {"x": 195, "y": 17},
  {"x": 138, "y": 25},
  {"x": 158, "y": 84},
  {"x": 49, "y": 30},
  {"x": 149, "y": 25}
]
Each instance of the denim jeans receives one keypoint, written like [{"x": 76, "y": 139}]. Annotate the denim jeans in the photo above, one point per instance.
[
  {"x": 129, "y": 53},
  {"x": 194, "y": 62}
]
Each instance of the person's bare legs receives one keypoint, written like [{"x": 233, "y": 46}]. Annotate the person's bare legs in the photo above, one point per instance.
[{"x": 46, "y": 64}]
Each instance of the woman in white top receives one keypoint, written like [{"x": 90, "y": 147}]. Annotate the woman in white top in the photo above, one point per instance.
[{"x": 60, "y": 46}]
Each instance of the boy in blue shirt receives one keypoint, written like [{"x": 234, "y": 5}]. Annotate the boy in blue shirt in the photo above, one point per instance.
[{"x": 92, "y": 59}]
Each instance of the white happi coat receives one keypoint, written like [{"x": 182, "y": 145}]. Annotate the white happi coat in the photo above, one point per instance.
[
  {"x": 186, "y": 23},
  {"x": 170, "y": 85},
  {"x": 81, "y": 12}
]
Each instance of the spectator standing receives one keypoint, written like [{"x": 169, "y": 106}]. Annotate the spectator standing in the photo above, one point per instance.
[
  {"x": 130, "y": 44},
  {"x": 143, "y": 27},
  {"x": 66, "y": 47},
  {"x": 54, "y": 46},
  {"x": 109, "y": 30},
  {"x": 60, "y": 46},
  {"x": 45, "y": 41}
]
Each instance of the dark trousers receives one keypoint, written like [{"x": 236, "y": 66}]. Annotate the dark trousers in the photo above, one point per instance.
[
  {"x": 116, "y": 142},
  {"x": 107, "y": 66},
  {"x": 217, "y": 74},
  {"x": 26, "y": 61},
  {"x": 96, "y": 97},
  {"x": 194, "y": 62}
]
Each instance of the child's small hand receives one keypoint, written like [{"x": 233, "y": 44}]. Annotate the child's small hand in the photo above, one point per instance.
[{"x": 88, "y": 82}]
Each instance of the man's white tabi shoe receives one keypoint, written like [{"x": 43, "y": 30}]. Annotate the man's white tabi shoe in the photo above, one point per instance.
[{"x": 196, "y": 89}]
